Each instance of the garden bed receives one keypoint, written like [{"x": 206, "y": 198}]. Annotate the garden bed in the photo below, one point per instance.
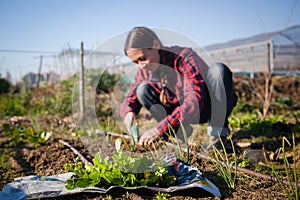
[
  {"x": 20, "y": 157},
  {"x": 49, "y": 159}
]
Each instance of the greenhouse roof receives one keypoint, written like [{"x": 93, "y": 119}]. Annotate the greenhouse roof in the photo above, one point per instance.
[{"x": 291, "y": 34}]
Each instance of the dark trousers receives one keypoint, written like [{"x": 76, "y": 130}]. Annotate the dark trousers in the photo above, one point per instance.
[{"x": 219, "y": 99}]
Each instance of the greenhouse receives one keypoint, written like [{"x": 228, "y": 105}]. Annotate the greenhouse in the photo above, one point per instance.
[{"x": 277, "y": 52}]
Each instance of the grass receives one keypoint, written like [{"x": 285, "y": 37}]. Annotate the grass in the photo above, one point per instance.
[
  {"x": 182, "y": 155},
  {"x": 291, "y": 189},
  {"x": 224, "y": 164}
]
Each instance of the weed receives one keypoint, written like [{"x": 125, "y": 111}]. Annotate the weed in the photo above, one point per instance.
[
  {"x": 263, "y": 168},
  {"x": 162, "y": 196},
  {"x": 244, "y": 162},
  {"x": 7, "y": 151},
  {"x": 296, "y": 115},
  {"x": 108, "y": 197},
  {"x": 126, "y": 195}
]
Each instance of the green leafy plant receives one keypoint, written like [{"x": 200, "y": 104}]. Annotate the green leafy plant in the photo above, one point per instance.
[
  {"x": 246, "y": 120},
  {"x": 123, "y": 170},
  {"x": 251, "y": 126},
  {"x": 243, "y": 121},
  {"x": 27, "y": 134}
]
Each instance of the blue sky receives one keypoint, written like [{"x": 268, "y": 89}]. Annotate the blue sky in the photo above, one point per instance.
[{"x": 53, "y": 25}]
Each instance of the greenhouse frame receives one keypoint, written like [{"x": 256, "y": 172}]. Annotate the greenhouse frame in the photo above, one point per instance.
[{"x": 277, "y": 52}]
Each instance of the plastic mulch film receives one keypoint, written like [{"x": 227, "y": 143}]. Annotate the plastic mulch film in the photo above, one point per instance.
[{"x": 189, "y": 181}]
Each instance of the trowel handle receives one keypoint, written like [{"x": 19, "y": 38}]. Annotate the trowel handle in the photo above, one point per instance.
[{"x": 135, "y": 131}]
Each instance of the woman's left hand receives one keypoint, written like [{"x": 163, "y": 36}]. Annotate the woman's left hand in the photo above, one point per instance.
[{"x": 149, "y": 137}]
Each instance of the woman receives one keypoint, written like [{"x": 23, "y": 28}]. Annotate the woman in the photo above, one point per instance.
[{"x": 177, "y": 87}]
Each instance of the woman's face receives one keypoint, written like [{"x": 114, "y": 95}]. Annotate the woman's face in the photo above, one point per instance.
[{"x": 147, "y": 58}]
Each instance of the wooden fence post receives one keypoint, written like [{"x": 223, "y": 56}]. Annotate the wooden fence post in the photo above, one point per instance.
[
  {"x": 39, "y": 72},
  {"x": 81, "y": 83}
]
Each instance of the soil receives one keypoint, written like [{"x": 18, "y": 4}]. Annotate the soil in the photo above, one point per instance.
[{"x": 49, "y": 159}]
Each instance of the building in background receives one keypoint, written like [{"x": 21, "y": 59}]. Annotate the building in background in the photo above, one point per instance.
[{"x": 45, "y": 79}]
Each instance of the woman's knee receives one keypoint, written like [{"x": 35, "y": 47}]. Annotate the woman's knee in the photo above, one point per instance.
[
  {"x": 146, "y": 94},
  {"x": 219, "y": 70},
  {"x": 142, "y": 91}
]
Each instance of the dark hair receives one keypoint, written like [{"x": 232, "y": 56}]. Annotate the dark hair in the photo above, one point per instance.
[{"x": 140, "y": 37}]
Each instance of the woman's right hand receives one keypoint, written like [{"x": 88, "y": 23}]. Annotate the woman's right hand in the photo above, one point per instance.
[{"x": 128, "y": 121}]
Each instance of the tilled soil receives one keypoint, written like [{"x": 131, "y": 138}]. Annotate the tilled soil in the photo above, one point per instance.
[{"x": 49, "y": 159}]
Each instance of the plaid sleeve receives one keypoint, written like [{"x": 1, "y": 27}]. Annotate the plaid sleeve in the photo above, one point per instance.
[{"x": 188, "y": 65}]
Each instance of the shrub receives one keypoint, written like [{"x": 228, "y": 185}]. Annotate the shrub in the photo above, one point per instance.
[
  {"x": 11, "y": 106},
  {"x": 4, "y": 86}
]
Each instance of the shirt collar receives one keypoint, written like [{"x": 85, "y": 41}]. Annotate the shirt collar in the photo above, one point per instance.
[{"x": 166, "y": 57}]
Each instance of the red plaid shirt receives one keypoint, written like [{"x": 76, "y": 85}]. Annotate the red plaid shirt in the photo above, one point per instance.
[{"x": 186, "y": 87}]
